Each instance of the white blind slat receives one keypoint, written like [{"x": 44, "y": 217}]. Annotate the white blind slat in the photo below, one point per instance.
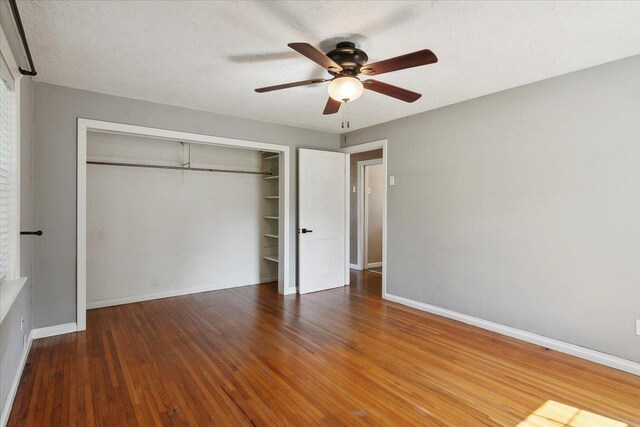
[{"x": 8, "y": 183}]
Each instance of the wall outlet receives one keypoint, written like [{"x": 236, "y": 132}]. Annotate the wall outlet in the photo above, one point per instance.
[
  {"x": 21, "y": 322},
  {"x": 637, "y": 326}
]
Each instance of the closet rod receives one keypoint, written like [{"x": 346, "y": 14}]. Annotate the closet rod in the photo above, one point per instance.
[{"x": 180, "y": 168}]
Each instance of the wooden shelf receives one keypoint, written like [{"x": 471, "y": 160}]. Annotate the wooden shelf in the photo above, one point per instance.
[
  {"x": 273, "y": 258},
  {"x": 272, "y": 177},
  {"x": 271, "y": 217},
  {"x": 273, "y": 236},
  {"x": 272, "y": 197}
]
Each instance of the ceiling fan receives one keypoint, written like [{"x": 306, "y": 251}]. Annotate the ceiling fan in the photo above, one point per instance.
[{"x": 345, "y": 63}]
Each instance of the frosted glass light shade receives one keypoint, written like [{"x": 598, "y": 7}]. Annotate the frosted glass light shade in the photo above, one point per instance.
[{"x": 345, "y": 89}]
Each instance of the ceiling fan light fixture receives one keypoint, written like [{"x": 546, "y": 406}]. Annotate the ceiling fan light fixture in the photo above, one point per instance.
[{"x": 345, "y": 88}]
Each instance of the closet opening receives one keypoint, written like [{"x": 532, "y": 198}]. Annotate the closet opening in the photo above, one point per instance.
[{"x": 164, "y": 213}]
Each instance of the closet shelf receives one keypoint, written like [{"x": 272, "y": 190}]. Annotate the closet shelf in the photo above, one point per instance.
[
  {"x": 273, "y": 236},
  {"x": 272, "y": 177},
  {"x": 271, "y": 197},
  {"x": 271, "y": 217},
  {"x": 271, "y": 258},
  {"x": 275, "y": 156}
]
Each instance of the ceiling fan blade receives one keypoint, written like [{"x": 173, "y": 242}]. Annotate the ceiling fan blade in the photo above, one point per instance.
[
  {"x": 288, "y": 85},
  {"x": 332, "y": 106},
  {"x": 392, "y": 91},
  {"x": 410, "y": 60},
  {"x": 316, "y": 56}
]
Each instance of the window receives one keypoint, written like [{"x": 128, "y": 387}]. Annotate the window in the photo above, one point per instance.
[{"x": 8, "y": 184}]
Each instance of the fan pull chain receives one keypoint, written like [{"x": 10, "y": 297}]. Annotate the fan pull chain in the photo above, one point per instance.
[
  {"x": 345, "y": 116},
  {"x": 348, "y": 124}
]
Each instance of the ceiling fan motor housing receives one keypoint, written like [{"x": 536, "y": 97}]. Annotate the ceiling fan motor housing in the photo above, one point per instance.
[{"x": 349, "y": 57}]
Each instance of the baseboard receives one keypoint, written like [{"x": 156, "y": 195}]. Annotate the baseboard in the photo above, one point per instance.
[
  {"x": 52, "y": 331},
  {"x": 355, "y": 266},
  {"x": 561, "y": 346},
  {"x": 168, "y": 294},
  {"x": 8, "y": 404},
  {"x": 374, "y": 264},
  {"x": 289, "y": 291}
]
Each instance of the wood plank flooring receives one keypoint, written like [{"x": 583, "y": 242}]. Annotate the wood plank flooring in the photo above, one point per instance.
[{"x": 248, "y": 356}]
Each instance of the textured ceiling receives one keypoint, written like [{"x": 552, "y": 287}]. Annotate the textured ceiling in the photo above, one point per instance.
[{"x": 211, "y": 55}]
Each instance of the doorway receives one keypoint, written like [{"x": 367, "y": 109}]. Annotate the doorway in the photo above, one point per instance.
[
  {"x": 361, "y": 256},
  {"x": 279, "y": 202},
  {"x": 370, "y": 191}
]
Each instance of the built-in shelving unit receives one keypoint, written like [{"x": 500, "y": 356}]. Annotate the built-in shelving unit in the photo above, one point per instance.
[{"x": 270, "y": 229}]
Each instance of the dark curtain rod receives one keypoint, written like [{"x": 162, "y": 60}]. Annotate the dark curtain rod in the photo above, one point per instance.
[
  {"x": 23, "y": 37},
  {"x": 180, "y": 168}
]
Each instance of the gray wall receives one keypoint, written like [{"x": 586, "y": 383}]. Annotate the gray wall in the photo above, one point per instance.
[
  {"x": 56, "y": 109},
  {"x": 523, "y": 207},
  {"x": 11, "y": 337}
]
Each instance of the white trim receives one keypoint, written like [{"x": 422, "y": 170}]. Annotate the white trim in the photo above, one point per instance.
[
  {"x": 385, "y": 161},
  {"x": 561, "y": 346},
  {"x": 285, "y": 283},
  {"x": 374, "y": 264},
  {"x": 167, "y": 294},
  {"x": 354, "y": 266},
  {"x": 52, "y": 331},
  {"x": 13, "y": 390},
  {"x": 9, "y": 59},
  {"x": 367, "y": 146},
  {"x": 347, "y": 218}
]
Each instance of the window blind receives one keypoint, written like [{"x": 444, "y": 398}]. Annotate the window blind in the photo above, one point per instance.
[{"x": 8, "y": 180}]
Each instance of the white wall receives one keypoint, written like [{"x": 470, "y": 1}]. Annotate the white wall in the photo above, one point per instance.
[
  {"x": 374, "y": 193},
  {"x": 523, "y": 207},
  {"x": 157, "y": 232}
]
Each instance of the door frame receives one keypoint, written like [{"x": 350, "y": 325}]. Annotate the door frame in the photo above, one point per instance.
[
  {"x": 285, "y": 283},
  {"x": 359, "y": 148},
  {"x": 363, "y": 226}
]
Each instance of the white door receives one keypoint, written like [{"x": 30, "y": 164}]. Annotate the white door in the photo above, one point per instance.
[{"x": 321, "y": 220}]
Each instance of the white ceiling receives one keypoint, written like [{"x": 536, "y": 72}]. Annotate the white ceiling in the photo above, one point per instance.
[{"x": 211, "y": 55}]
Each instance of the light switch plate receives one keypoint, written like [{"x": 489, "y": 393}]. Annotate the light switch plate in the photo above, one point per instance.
[
  {"x": 392, "y": 180},
  {"x": 637, "y": 326}
]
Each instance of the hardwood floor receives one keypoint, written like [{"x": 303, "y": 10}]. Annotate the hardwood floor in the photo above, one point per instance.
[{"x": 248, "y": 356}]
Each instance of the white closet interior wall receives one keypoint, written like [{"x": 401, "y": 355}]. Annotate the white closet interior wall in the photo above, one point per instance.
[{"x": 155, "y": 232}]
